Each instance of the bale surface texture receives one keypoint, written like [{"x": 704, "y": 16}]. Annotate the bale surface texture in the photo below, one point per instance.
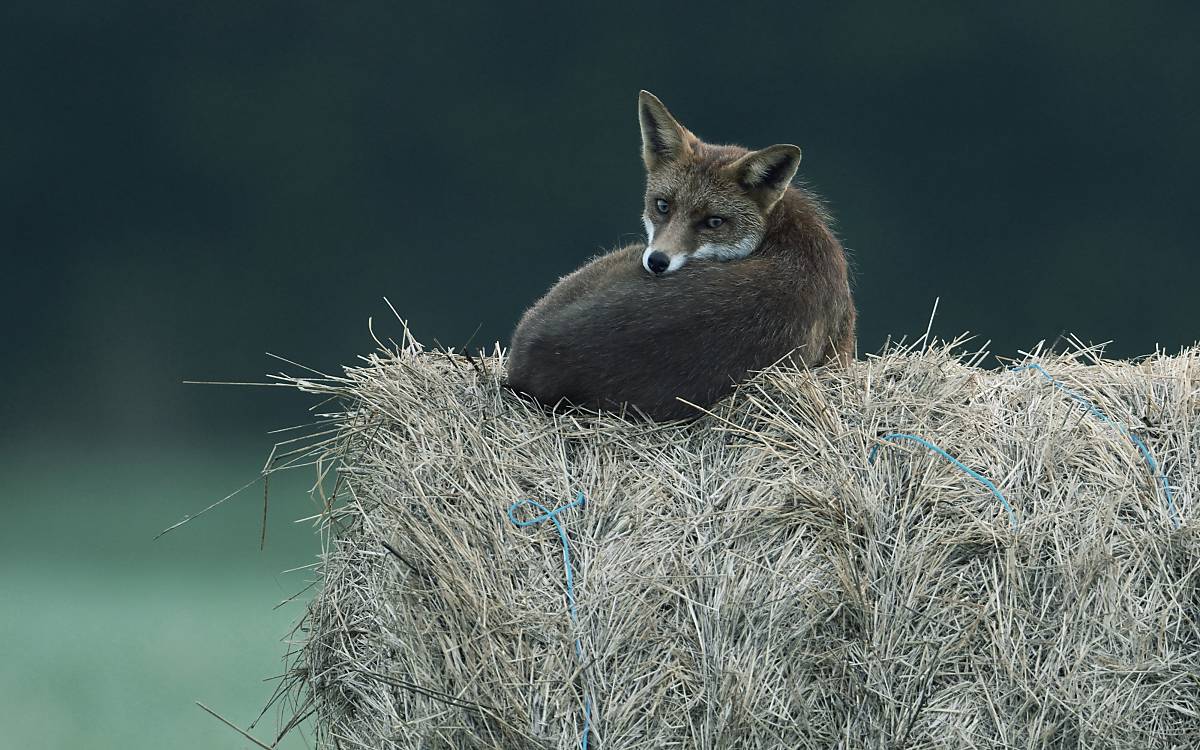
[{"x": 753, "y": 580}]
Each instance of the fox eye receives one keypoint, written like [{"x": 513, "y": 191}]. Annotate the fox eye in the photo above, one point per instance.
[
  {"x": 662, "y": 206},
  {"x": 714, "y": 221}
]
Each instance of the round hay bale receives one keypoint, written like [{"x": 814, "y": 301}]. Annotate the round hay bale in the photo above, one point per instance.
[{"x": 752, "y": 579}]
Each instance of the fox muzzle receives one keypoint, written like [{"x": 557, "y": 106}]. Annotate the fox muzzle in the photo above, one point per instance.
[{"x": 658, "y": 263}]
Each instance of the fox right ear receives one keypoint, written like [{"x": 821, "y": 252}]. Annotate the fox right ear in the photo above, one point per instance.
[
  {"x": 663, "y": 138},
  {"x": 766, "y": 174}
]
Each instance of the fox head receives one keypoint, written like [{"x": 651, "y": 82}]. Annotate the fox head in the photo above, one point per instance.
[{"x": 704, "y": 201}]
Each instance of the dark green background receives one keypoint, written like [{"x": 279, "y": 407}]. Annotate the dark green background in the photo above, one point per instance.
[{"x": 185, "y": 188}]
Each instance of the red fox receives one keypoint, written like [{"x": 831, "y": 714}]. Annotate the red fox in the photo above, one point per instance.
[{"x": 739, "y": 270}]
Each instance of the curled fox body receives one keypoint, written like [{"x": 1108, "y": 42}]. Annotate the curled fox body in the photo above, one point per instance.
[{"x": 740, "y": 270}]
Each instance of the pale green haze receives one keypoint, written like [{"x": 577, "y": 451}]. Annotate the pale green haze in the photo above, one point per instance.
[{"x": 110, "y": 636}]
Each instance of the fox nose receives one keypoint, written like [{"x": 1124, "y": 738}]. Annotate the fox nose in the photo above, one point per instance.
[{"x": 658, "y": 262}]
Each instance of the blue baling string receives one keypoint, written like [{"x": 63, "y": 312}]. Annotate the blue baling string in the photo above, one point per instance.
[
  {"x": 897, "y": 436},
  {"x": 552, "y": 516},
  {"x": 1137, "y": 441}
]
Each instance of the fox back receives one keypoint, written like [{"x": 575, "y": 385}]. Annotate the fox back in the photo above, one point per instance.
[{"x": 740, "y": 270}]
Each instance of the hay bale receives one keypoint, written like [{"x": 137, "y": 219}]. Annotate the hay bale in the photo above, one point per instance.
[{"x": 751, "y": 580}]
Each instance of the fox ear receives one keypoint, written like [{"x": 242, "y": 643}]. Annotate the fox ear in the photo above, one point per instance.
[
  {"x": 766, "y": 174},
  {"x": 663, "y": 138}
]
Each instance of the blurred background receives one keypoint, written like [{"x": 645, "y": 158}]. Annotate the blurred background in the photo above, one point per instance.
[{"x": 186, "y": 187}]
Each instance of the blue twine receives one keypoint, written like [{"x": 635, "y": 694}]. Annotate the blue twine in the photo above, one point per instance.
[
  {"x": 552, "y": 515},
  {"x": 896, "y": 436},
  {"x": 1172, "y": 511}
]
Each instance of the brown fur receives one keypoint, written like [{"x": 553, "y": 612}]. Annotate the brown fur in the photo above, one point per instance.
[{"x": 612, "y": 333}]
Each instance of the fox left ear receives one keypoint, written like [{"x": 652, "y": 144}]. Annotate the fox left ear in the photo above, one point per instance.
[
  {"x": 663, "y": 138},
  {"x": 766, "y": 174}
]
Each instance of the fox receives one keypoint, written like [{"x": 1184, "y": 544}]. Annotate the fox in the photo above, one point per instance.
[{"x": 740, "y": 270}]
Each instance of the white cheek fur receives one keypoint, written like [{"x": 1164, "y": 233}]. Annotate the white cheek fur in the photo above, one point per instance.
[{"x": 739, "y": 249}]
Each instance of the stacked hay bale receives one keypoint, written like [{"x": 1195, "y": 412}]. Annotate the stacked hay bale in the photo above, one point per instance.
[{"x": 752, "y": 580}]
